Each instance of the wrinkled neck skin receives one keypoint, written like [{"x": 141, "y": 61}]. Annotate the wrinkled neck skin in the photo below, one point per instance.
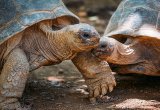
[
  {"x": 124, "y": 54},
  {"x": 47, "y": 48},
  {"x": 62, "y": 38},
  {"x": 60, "y": 43}
]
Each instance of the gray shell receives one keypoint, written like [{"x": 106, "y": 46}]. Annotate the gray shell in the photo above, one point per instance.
[
  {"x": 17, "y": 15},
  {"x": 135, "y": 18}
]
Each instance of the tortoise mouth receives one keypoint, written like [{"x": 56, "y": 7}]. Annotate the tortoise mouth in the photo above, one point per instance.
[{"x": 103, "y": 54}]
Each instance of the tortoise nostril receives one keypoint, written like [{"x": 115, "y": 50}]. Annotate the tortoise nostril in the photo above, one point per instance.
[{"x": 103, "y": 46}]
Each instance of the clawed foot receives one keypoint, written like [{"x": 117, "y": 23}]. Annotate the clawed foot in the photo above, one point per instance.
[{"x": 100, "y": 85}]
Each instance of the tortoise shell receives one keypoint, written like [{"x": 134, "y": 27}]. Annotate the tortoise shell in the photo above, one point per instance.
[
  {"x": 17, "y": 15},
  {"x": 136, "y": 18}
]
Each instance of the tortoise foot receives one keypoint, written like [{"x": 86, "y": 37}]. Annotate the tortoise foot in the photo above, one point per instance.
[{"x": 100, "y": 85}]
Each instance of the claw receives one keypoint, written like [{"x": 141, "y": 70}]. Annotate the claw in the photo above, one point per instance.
[
  {"x": 115, "y": 83},
  {"x": 104, "y": 90},
  {"x": 90, "y": 93},
  {"x": 96, "y": 92},
  {"x": 110, "y": 88}
]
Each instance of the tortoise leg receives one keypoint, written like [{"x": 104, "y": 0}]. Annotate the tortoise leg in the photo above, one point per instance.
[
  {"x": 13, "y": 79},
  {"x": 97, "y": 74}
]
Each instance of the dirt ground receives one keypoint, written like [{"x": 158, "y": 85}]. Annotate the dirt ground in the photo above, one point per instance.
[{"x": 61, "y": 87}]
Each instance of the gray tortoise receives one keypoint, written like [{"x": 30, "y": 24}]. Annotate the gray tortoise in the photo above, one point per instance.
[
  {"x": 131, "y": 43},
  {"x": 35, "y": 33}
]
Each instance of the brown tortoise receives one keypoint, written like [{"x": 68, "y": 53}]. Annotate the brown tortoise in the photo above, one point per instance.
[
  {"x": 131, "y": 43},
  {"x": 35, "y": 33}
]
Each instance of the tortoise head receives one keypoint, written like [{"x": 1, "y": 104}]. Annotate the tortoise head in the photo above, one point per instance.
[
  {"x": 78, "y": 37},
  {"x": 119, "y": 52},
  {"x": 82, "y": 36}
]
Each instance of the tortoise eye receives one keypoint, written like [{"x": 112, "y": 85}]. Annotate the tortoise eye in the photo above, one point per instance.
[
  {"x": 57, "y": 27},
  {"x": 85, "y": 35}
]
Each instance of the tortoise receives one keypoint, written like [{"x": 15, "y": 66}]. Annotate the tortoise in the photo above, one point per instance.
[
  {"x": 131, "y": 42},
  {"x": 35, "y": 33}
]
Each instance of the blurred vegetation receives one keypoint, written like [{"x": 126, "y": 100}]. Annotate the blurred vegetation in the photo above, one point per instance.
[
  {"x": 94, "y": 3},
  {"x": 93, "y": 6},
  {"x": 94, "y": 12}
]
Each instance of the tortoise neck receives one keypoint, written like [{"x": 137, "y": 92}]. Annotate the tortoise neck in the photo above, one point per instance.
[
  {"x": 60, "y": 43},
  {"x": 124, "y": 54},
  {"x": 53, "y": 48}
]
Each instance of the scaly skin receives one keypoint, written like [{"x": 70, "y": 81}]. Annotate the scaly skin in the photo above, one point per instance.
[
  {"x": 38, "y": 46},
  {"x": 12, "y": 80},
  {"x": 97, "y": 74}
]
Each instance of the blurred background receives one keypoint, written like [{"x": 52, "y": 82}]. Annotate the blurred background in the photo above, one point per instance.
[{"x": 94, "y": 12}]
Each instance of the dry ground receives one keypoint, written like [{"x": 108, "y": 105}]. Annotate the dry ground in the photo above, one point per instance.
[{"x": 62, "y": 88}]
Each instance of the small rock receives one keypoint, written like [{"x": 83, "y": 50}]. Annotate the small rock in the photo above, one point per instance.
[{"x": 92, "y": 100}]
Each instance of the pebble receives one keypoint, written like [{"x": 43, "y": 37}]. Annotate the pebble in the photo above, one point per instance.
[{"x": 92, "y": 100}]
